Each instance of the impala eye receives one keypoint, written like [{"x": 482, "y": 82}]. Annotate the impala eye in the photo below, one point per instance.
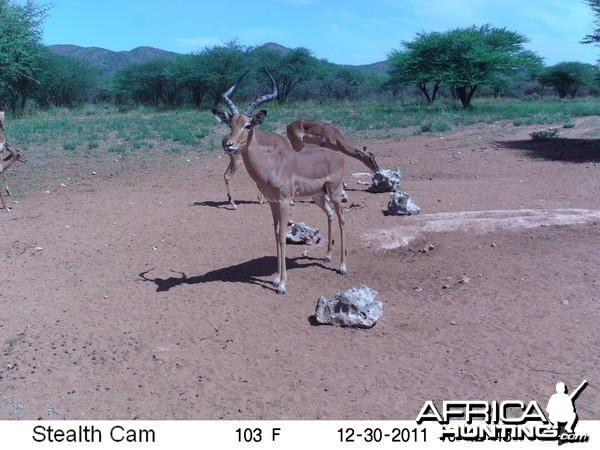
[{"x": 247, "y": 127}]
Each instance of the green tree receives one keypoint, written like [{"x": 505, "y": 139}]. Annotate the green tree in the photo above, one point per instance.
[
  {"x": 144, "y": 83},
  {"x": 416, "y": 66},
  {"x": 204, "y": 74},
  {"x": 63, "y": 81},
  {"x": 462, "y": 59},
  {"x": 346, "y": 83},
  {"x": 594, "y": 38},
  {"x": 332, "y": 81},
  {"x": 290, "y": 68},
  {"x": 187, "y": 74},
  {"x": 218, "y": 65},
  {"x": 569, "y": 78},
  {"x": 20, "y": 37}
]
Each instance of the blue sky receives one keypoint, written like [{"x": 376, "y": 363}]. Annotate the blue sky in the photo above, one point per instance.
[{"x": 343, "y": 32}]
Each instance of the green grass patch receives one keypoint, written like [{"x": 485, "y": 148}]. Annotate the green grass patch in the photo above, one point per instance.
[
  {"x": 105, "y": 129},
  {"x": 437, "y": 124},
  {"x": 69, "y": 145}
]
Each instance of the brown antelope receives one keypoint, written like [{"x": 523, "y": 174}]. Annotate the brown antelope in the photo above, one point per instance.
[
  {"x": 324, "y": 134},
  {"x": 13, "y": 155},
  {"x": 6, "y": 161},
  {"x": 266, "y": 140},
  {"x": 2, "y": 137},
  {"x": 281, "y": 175}
]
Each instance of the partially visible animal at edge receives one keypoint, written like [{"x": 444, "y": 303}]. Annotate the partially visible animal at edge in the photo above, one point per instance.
[{"x": 13, "y": 155}]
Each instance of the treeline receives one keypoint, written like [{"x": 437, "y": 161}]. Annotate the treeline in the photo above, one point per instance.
[
  {"x": 458, "y": 64},
  {"x": 201, "y": 77}
]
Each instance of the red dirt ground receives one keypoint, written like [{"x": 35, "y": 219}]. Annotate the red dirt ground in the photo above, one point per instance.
[{"x": 137, "y": 293}]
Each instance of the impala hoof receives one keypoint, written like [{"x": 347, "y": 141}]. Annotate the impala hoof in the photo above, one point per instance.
[
  {"x": 327, "y": 258},
  {"x": 280, "y": 291},
  {"x": 343, "y": 270}
]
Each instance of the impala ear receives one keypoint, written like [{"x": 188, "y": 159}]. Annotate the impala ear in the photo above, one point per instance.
[
  {"x": 259, "y": 117},
  {"x": 222, "y": 116}
]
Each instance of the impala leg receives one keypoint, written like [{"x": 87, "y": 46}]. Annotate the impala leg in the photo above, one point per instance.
[
  {"x": 336, "y": 200},
  {"x": 276, "y": 223},
  {"x": 234, "y": 164},
  {"x": 324, "y": 204},
  {"x": 284, "y": 213},
  {"x": 342, "y": 222},
  {"x": 6, "y": 184}
]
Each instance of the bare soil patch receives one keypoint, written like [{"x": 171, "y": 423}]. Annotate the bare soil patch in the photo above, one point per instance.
[{"x": 137, "y": 293}]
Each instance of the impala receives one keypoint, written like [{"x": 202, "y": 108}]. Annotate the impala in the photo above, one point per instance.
[
  {"x": 2, "y": 137},
  {"x": 13, "y": 156},
  {"x": 266, "y": 140},
  {"x": 6, "y": 161},
  {"x": 324, "y": 134},
  {"x": 281, "y": 175}
]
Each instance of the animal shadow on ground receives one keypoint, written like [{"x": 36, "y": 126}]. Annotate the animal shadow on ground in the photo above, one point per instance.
[
  {"x": 558, "y": 149},
  {"x": 223, "y": 204},
  {"x": 250, "y": 272}
]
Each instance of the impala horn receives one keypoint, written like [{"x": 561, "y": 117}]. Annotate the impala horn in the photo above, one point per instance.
[
  {"x": 264, "y": 98},
  {"x": 226, "y": 95}
]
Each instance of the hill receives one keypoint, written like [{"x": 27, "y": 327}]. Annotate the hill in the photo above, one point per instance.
[
  {"x": 109, "y": 61},
  {"x": 367, "y": 69},
  {"x": 374, "y": 68}
]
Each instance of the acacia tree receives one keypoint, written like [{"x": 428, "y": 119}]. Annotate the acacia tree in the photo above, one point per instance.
[
  {"x": 187, "y": 74},
  {"x": 290, "y": 68},
  {"x": 63, "y": 81},
  {"x": 415, "y": 65},
  {"x": 20, "y": 43},
  {"x": 568, "y": 78},
  {"x": 144, "y": 83},
  {"x": 594, "y": 38},
  {"x": 461, "y": 59}
]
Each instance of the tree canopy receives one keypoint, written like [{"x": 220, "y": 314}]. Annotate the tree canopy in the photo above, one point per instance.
[
  {"x": 461, "y": 59},
  {"x": 461, "y": 62},
  {"x": 20, "y": 41},
  {"x": 568, "y": 78},
  {"x": 594, "y": 38},
  {"x": 209, "y": 72}
]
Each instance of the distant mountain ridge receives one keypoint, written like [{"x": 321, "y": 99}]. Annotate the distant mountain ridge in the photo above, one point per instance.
[{"x": 109, "y": 61}]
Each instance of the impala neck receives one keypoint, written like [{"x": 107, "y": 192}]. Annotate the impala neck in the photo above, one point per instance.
[{"x": 254, "y": 158}]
